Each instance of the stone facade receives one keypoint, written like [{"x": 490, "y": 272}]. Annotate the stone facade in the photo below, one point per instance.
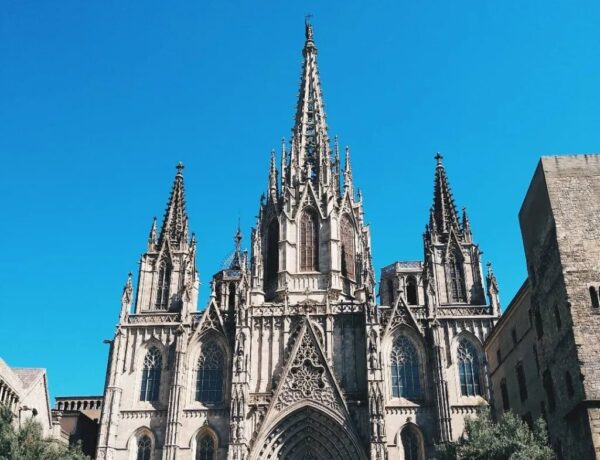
[
  {"x": 292, "y": 357},
  {"x": 560, "y": 224},
  {"x": 25, "y": 392}
]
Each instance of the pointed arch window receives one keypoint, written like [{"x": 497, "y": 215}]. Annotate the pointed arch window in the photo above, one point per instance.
[
  {"x": 348, "y": 253},
  {"x": 144, "y": 448},
  {"x": 468, "y": 368},
  {"x": 209, "y": 374},
  {"x": 232, "y": 295},
  {"x": 406, "y": 382},
  {"x": 164, "y": 282},
  {"x": 456, "y": 277},
  {"x": 410, "y": 444},
  {"x": 272, "y": 256},
  {"x": 412, "y": 296},
  {"x": 151, "y": 375},
  {"x": 309, "y": 241},
  {"x": 205, "y": 447}
]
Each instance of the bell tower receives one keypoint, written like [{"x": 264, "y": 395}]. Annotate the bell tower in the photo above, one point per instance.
[{"x": 167, "y": 277}]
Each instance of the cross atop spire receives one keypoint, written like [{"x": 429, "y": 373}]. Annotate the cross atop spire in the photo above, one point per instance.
[
  {"x": 175, "y": 222},
  {"x": 444, "y": 215}
]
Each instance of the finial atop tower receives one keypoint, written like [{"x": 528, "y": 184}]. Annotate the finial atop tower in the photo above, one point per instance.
[
  {"x": 438, "y": 158},
  {"x": 180, "y": 167},
  {"x": 308, "y": 27}
]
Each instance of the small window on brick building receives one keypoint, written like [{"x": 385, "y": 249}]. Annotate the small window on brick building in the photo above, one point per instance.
[
  {"x": 504, "y": 392},
  {"x": 527, "y": 418},
  {"x": 513, "y": 334},
  {"x": 569, "y": 384},
  {"x": 543, "y": 411},
  {"x": 539, "y": 327},
  {"x": 530, "y": 314},
  {"x": 549, "y": 389},
  {"x": 537, "y": 358},
  {"x": 498, "y": 356},
  {"x": 557, "y": 317},
  {"x": 594, "y": 297},
  {"x": 522, "y": 382}
]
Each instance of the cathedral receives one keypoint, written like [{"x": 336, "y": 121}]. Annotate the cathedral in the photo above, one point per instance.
[{"x": 294, "y": 357}]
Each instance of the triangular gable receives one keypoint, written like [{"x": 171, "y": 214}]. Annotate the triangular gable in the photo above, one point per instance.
[
  {"x": 307, "y": 377},
  {"x": 211, "y": 320},
  {"x": 309, "y": 198},
  {"x": 401, "y": 315},
  {"x": 347, "y": 205}
]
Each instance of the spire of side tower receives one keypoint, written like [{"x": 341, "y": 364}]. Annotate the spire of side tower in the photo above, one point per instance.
[
  {"x": 444, "y": 215},
  {"x": 175, "y": 223}
]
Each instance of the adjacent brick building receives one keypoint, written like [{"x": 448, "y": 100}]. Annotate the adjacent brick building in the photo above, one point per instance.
[{"x": 543, "y": 354}]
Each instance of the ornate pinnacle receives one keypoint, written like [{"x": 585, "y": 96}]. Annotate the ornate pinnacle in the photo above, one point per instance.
[
  {"x": 348, "y": 172},
  {"x": 444, "y": 210},
  {"x": 153, "y": 233},
  {"x": 175, "y": 222}
]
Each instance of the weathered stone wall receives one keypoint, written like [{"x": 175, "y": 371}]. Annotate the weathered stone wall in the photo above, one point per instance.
[{"x": 560, "y": 223}]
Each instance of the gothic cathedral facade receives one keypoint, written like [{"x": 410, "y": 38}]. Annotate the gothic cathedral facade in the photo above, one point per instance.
[{"x": 293, "y": 357}]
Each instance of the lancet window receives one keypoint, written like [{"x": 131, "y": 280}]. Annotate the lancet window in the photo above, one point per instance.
[
  {"x": 272, "y": 256},
  {"x": 144, "y": 448},
  {"x": 347, "y": 239},
  {"x": 205, "y": 447},
  {"x": 309, "y": 242},
  {"x": 468, "y": 368},
  {"x": 209, "y": 374},
  {"x": 456, "y": 277},
  {"x": 151, "y": 375},
  {"x": 164, "y": 281},
  {"x": 412, "y": 296},
  {"x": 406, "y": 382}
]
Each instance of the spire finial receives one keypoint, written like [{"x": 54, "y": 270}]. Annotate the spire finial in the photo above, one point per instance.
[
  {"x": 308, "y": 27},
  {"x": 438, "y": 158},
  {"x": 180, "y": 167}
]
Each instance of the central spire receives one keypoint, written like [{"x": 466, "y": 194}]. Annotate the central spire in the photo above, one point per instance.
[{"x": 310, "y": 154}]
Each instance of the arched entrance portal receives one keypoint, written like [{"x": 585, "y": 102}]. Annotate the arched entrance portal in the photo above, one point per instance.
[{"x": 308, "y": 434}]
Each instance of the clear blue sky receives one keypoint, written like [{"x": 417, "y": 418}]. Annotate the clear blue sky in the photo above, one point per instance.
[{"x": 100, "y": 99}]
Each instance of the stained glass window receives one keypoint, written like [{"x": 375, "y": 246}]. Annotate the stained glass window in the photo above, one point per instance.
[
  {"x": 309, "y": 242},
  {"x": 209, "y": 374},
  {"x": 347, "y": 237},
  {"x": 144, "y": 448},
  {"x": 205, "y": 448},
  {"x": 468, "y": 368},
  {"x": 164, "y": 281},
  {"x": 151, "y": 375},
  {"x": 405, "y": 369},
  {"x": 456, "y": 277}
]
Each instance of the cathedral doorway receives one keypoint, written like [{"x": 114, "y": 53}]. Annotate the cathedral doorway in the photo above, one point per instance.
[{"x": 309, "y": 434}]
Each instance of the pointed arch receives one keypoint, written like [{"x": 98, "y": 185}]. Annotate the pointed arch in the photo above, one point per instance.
[
  {"x": 210, "y": 373},
  {"x": 405, "y": 368},
  {"x": 411, "y": 442},
  {"x": 142, "y": 444},
  {"x": 308, "y": 429},
  {"x": 468, "y": 360},
  {"x": 231, "y": 295},
  {"x": 205, "y": 443},
  {"x": 272, "y": 256},
  {"x": 348, "y": 247},
  {"x": 455, "y": 275},
  {"x": 163, "y": 284},
  {"x": 151, "y": 372},
  {"x": 309, "y": 241}
]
